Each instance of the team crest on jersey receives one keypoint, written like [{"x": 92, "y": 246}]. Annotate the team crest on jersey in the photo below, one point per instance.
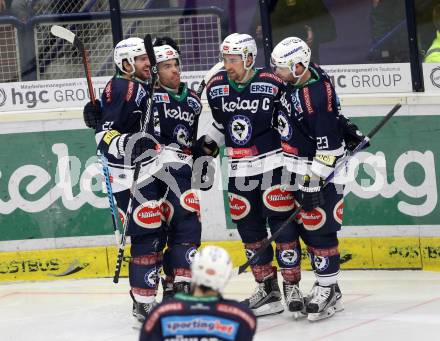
[
  {"x": 161, "y": 97},
  {"x": 239, "y": 206},
  {"x": 277, "y": 199},
  {"x": 284, "y": 127},
  {"x": 219, "y": 91},
  {"x": 338, "y": 211},
  {"x": 150, "y": 278},
  {"x": 140, "y": 95},
  {"x": 240, "y": 129},
  {"x": 296, "y": 102},
  {"x": 181, "y": 134},
  {"x": 289, "y": 257},
  {"x": 314, "y": 219},
  {"x": 321, "y": 263},
  {"x": 148, "y": 215},
  {"x": 194, "y": 104},
  {"x": 264, "y": 88}
]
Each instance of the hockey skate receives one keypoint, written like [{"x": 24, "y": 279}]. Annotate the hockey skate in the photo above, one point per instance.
[
  {"x": 339, "y": 306},
  {"x": 294, "y": 300},
  {"x": 266, "y": 299},
  {"x": 168, "y": 290},
  {"x": 323, "y": 302},
  {"x": 182, "y": 287},
  {"x": 141, "y": 310}
]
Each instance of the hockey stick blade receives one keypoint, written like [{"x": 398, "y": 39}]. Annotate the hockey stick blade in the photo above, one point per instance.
[
  {"x": 239, "y": 270},
  {"x": 63, "y": 33}
]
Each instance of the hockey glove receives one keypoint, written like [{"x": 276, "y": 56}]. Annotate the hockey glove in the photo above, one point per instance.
[
  {"x": 205, "y": 147},
  {"x": 203, "y": 173},
  {"x": 310, "y": 194},
  {"x": 351, "y": 133},
  {"x": 92, "y": 114},
  {"x": 134, "y": 145}
]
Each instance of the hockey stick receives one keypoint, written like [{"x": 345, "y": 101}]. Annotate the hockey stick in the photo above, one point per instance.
[
  {"x": 64, "y": 33},
  {"x": 148, "y": 106},
  {"x": 72, "y": 38},
  {"x": 267, "y": 242}
]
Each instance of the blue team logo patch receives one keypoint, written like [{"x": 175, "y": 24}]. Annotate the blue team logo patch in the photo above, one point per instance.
[
  {"x": 140, "y": 95},
  {"x": 150, "y": 278},
  {"x": 194, "y": 104},
  {"x": 249, "y": 254},
  {"x": 289, "y": 257},
  {"x": 199, "y": 325},
  {"x": 181, "y": 134},
  {"x": 264, "y": 88},
  {"x": 190, "y": 254},
  {"x": 161, "y": 98},
  {"x": 321, "y": 263},
  {"x": 296, "y": 102},
  {"x": 219, "y": 91},
  {"x": 240, "y": 129},
  {"x": 284, "y": 127}
]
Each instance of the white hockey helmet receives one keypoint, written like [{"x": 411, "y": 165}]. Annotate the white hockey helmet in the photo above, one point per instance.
[
  {"x": 211, "y": 268},
  {"x": 289, "y": 52},
  {"x": 241, "y": 44},
  {"x": 128, "y": 49},
  {"x": 164, "y": 53}
]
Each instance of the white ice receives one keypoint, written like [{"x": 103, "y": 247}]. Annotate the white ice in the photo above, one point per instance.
[{"x": 379, "y": 305}]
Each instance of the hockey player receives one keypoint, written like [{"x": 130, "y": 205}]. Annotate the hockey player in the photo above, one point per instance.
[
  {"x": 175, "y": 114},
  {"x": 205, "y": 314},
  {"x": 244, "y": 102},
  {"x": 312, "y": 134},
  {"x": 176, "y": 111},
  {"x": 117, "y": 137}
]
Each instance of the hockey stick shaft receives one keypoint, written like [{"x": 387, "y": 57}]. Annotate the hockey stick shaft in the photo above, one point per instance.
[
  {"x": 149, "y": 102},
  {"x": 64, "y": 33},
  {"x": 267, "y": 242},
  {"x": 111, "y": 201}
]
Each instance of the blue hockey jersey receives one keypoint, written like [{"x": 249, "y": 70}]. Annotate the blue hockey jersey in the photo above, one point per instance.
[
  {"x": 123, "y": 106},
  {"x": 174, "y": 122},
  {"x": 245, "y": 119},
  {"x": 199, "y": 318},
  {"x": 311, "y": 133}
]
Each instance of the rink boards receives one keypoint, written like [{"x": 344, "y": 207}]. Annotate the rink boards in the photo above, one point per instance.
[
  {"x": 55, "y": 221},
  {"x": 356, "y": 253}
]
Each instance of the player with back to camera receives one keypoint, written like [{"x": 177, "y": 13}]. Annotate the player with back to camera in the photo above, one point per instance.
[{"x": 203, "y": 314}]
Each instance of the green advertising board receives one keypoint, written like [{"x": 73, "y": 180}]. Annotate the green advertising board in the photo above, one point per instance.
[{"x": 50, "y": 185}]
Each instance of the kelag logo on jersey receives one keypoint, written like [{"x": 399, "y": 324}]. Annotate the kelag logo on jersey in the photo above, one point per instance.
[
  {"x": 194, "y": 104},
  {"x": 284, "y": 128},
  {"x": 240, "y": 129},
  {"x": 264, "y": 88},
  {"x": 219, "y": 91},
  {"x": 199, "y": 325},
  {"x": 161, "y": 98}
]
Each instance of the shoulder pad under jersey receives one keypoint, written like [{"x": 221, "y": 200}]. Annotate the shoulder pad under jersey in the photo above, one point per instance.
[{"x": 267, "y": 75}]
